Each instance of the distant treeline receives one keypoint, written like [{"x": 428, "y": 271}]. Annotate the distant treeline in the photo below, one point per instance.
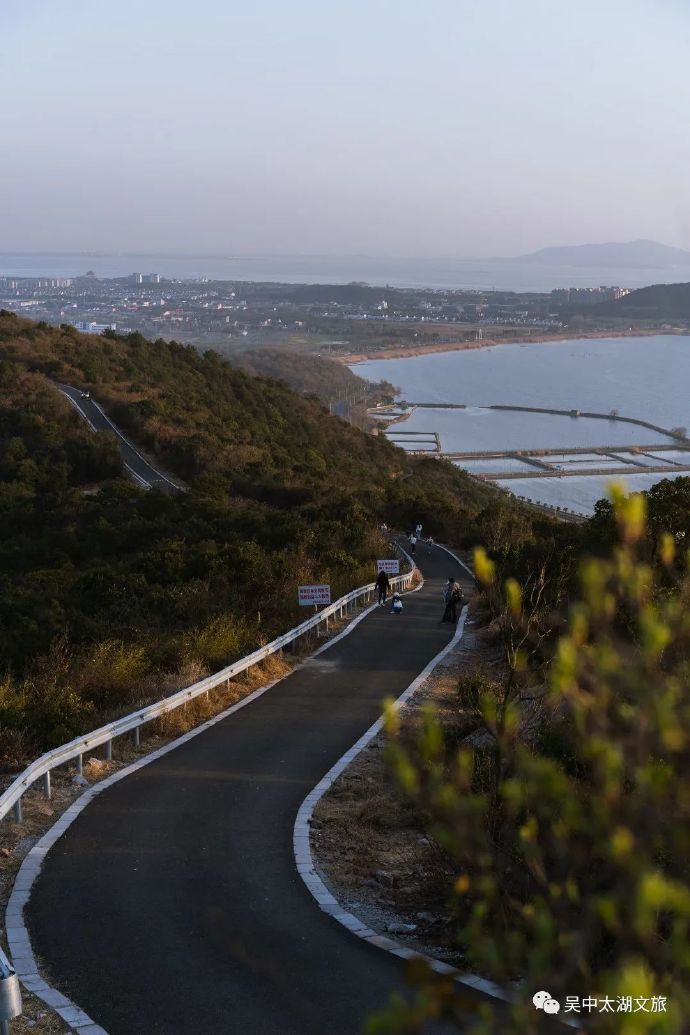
[
  {"x": 660, "y": 302},
  {"x": 324, "y": 378}
]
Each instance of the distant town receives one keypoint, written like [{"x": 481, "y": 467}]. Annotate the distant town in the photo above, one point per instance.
[{"x": 338, "y": 319}]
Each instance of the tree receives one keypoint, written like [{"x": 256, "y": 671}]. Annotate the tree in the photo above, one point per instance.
[{"x": 572, "y": 841}]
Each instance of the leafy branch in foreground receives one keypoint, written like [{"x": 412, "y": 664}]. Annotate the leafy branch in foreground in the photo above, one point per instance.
[{"x": 572, "y": 838}]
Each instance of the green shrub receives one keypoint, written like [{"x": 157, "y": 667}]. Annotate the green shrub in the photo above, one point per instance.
[{"x": 573, "y": 852}]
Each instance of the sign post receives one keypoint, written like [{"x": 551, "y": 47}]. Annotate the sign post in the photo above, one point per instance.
[
  {"x": 314, "y": 595},
  {"x": 308, "y": 595},
  {"x": 390, "y": 567}
]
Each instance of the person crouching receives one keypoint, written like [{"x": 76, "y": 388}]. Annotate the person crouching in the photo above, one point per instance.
[{"x": 396, "y": 606}]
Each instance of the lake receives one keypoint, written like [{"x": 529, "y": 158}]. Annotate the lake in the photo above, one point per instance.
[
  {"x": 646, "y": 378},
  {"x": 476, "y": 430},
  {"x": 578, "y": 494},
  {"x": 454, "y": 274}
]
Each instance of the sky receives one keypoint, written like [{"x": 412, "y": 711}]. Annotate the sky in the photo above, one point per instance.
[{"x": 380, "y": 127}]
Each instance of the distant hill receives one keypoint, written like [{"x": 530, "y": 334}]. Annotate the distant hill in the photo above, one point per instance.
[
  {"x": 315, "y": 375},
  {"x": 629, "y": 254},
  {"x": 659, "y": 302}
]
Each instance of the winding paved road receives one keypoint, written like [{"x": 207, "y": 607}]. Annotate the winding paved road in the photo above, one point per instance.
[
  {"x": 143, "y": 473},
  {"x": 172, "y": 904}
]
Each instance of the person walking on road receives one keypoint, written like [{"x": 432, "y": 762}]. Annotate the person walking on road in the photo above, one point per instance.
[
  {"x": 452, "y": 595},
  {"x": 383, "y": 584},
  {"x": 429, "y": 544},
  {"x": 413, "y": 543},
  {"x": 418, "y": 530}
]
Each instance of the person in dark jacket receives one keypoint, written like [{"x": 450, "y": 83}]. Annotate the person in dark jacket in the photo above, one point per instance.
[
  {"x": 452, "y": 595},
  {"x": 383, "y": 584}
]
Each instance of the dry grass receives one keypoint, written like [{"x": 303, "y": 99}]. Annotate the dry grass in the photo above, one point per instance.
[
  {"x": 37, "y": 1019},
  {"x": 373, "y": 847},
  {"x": 39, "y": 814}
]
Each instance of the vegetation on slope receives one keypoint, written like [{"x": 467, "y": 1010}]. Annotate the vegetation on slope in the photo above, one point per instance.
[
  {"x": 328, "y": 380},
  {"x": 562, "y": 802},
  {"x": 107, "y": 587},
  {"x": 657, "y": 302}
]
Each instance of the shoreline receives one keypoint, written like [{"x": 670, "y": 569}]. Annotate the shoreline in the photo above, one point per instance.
[{"x": 402, "y": 352}]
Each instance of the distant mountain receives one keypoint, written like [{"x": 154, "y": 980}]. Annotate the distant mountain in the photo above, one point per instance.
[{"x": 630, "y": 254}]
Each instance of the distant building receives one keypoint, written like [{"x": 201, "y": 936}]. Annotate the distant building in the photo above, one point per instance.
[
  {"x": 472, "y": 311},
  {"x": 91, "y": 327},
  {"x": 145, "y": 278},
  {"x": 35, "y": 283},
  {"x": 588, "y": 296}
]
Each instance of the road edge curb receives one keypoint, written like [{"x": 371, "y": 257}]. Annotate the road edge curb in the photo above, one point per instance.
[
  {"x": 325, "y": 899},
  {"x": 17, "y": 934}
]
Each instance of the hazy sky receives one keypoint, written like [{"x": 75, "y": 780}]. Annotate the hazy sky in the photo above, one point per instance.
[{"x": 438, "y": 128}]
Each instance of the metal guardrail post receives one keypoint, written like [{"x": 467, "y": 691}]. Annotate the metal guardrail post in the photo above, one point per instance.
[
  {"x": 80, "y": 765},
  {"x": 303, "y": 634},
  {"x": 109, "y": 750},
  {"x": 10, "y": 994}
]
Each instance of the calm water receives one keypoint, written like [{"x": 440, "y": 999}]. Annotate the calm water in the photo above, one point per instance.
[
  {"x": 328, "y": 269},
  {"x": 476, "y": 430},
  {"x": 579, "y": 494},
  {"x": 647, "y": 378}
]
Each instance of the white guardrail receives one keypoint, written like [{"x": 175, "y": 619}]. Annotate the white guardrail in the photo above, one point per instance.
[
  {"x": 75, "y": 749},
  {"x": 10, "y": 994}
]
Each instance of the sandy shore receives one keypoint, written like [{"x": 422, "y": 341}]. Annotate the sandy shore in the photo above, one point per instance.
[{"x": 405, "y": 352}]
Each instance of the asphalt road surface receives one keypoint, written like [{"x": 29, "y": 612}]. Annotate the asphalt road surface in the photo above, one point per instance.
[
  {"x": 139, "y": 469},
  {"x": 173, "y": 905}
]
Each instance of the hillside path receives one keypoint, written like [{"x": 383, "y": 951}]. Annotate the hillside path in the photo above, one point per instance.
[
  {"x": 173, "y": 904},
  {"x": 143, "y": 472}
]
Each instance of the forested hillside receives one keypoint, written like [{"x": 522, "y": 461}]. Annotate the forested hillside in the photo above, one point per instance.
[
  {"x": 116, "y": 586},
  {"x": 329, "y": 380},
  {"x": 657, "y": 302}
]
